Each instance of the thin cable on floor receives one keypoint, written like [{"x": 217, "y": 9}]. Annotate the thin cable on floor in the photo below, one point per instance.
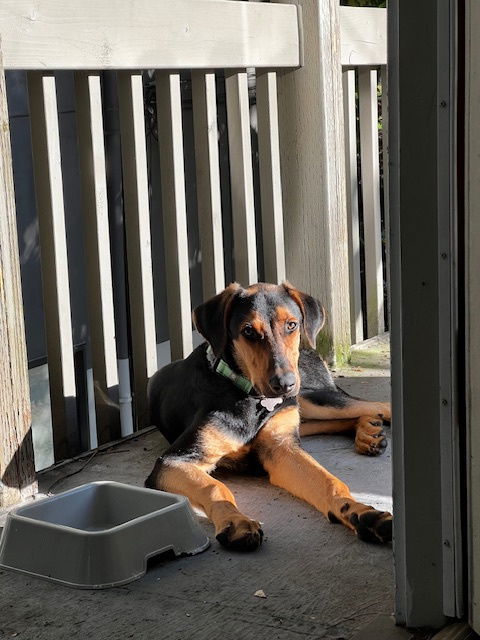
[{"x": 69, "y": 475}]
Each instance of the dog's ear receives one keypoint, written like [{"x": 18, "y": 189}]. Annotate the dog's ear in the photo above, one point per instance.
[
  {"x": 211, "y": 318},
  {"x": 313, "y": 313}
]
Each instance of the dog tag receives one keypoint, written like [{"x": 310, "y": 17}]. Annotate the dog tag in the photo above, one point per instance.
[{"x": 270, "y": 403}]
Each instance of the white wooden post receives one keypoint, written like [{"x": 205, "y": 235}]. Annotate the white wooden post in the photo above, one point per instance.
[
  {"x": 386, "y": 193},
  {"x": 241, "y": 178},
  {"x": 137, "y": 224},
  {"x": 368, "y": 105},
  {"x": 17, "y": 470},
  {"x": 97, "y": 241},
  {"x": 356, "y": 315},
  {"x": 313, "y": 173},
  {"x": 270, "y": 177},
  {"x": 170, "y": 140},
  {"x": 55, "y": 274},
  {"x": 208, "y": 181}
]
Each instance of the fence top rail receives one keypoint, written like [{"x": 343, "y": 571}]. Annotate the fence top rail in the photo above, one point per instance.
[
  {"x": 141, "y": 34},
  {"x": 363, "y": 36}
]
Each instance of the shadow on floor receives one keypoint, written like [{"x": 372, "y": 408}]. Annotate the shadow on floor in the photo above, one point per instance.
[{"x": 319, "y": 580}]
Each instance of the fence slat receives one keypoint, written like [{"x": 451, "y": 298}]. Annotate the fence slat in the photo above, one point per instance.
[
  {"x": 55, "y": 278},
  {"x": 137, "y": 223},
  {"x": 356, "y": 316},
  {"x": 241, "y": 177},
  {"x": 386, "y": 171},
  {"x": 170, "y": 140},
  {"x": 270, "y": 178},
  {"x": 17, "y": 469},
  {"x": 367, "y": 90},
  {"x": 97, "y": 247},
  {"x": 208, "y": 181}
]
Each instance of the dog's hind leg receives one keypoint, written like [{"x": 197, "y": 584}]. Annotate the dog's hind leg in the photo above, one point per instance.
[
  {"x": 333, "y": 412},
  {"x": 370, "y": 438},
  {"x": 316, "y": 427},
  {"x": 337, "y": 405}
]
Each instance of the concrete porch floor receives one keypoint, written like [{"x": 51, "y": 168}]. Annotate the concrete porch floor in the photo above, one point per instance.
[{"x": 319, "y": 580}]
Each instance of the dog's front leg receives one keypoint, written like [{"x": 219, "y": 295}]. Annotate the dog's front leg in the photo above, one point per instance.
[
  {"x": 291, "y": 468},
  {"x": 232, "y": 529}
]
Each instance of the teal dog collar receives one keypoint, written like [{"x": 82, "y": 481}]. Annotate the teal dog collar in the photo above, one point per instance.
[{"x": 222, "y": 368}]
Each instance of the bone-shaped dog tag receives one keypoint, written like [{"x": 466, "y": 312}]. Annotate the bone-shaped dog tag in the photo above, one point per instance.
[{"x": 270, "y": 403}]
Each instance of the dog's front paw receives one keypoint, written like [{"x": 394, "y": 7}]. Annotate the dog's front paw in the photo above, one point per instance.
[
  {"x": 241, "y": 534},
  {"x": 373, "y": 525},
  {"x": 370, "y": 439},
  {"x": 369, "y": 524}
]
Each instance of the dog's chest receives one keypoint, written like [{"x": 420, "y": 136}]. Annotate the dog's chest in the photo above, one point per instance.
[{"x": 249, "y": 416}]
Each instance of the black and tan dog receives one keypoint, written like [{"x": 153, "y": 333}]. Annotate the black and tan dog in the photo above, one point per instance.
[{"x": 240, "y": 395}]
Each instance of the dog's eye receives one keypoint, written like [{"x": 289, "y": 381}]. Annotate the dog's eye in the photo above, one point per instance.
[
  {"x": 249, "y": 332},
  {"x": 292, "y": 325}
]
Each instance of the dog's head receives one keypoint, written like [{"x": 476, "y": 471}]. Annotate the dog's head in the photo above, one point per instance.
[{"x": 258, "y": 329}]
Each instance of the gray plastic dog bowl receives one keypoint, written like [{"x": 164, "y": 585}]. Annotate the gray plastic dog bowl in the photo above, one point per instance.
[{"x": 98, "y": 535}]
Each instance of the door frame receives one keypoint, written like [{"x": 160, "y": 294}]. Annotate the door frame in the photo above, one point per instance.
[{"x": 425, "y": 285}]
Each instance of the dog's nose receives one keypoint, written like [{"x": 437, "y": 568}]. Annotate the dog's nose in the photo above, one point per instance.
[{"x": 283, "y": 383}]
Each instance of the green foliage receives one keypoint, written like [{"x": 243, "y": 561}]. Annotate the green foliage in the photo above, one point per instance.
[{"x": 364, "y": 3}]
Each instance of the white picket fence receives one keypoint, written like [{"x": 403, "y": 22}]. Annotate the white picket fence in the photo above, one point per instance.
[
  {"x": 42, "y": 36},
  {"x": 204, "y": 35}
]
